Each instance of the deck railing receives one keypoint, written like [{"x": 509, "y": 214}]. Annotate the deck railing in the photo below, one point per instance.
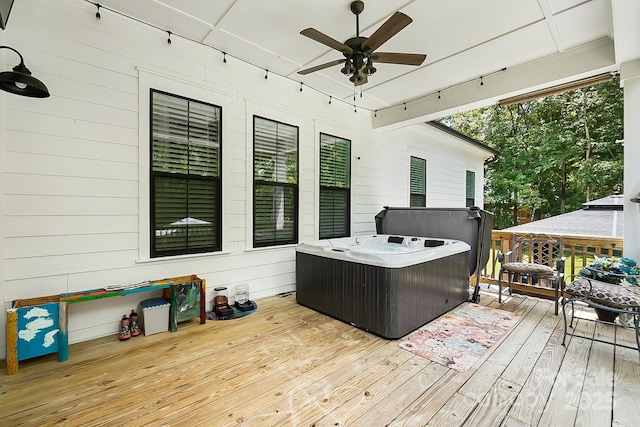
[{"x": 577, "y": 250}]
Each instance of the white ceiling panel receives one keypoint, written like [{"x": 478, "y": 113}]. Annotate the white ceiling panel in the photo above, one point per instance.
[
  {"x": 207, "y": 11},
  {"x": 582, "y": 24},
  {"x": 558, "y": 6},
  {"x": 449, "y": 27},
  {"x": 154, "y": 13}
]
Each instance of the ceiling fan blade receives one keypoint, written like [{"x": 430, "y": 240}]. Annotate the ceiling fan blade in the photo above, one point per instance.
[
  {"x": 389, "y": 29},
  {"x": 399, "y": 58},
  {"x": 326, "y": 40},
  {"x": 322, "y": 66}
]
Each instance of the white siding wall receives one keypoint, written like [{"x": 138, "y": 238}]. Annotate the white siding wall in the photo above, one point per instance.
[{"x": 75, "y": 166}]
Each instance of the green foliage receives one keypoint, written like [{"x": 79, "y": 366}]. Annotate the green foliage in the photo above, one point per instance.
[{"x": 555, "y": 152}]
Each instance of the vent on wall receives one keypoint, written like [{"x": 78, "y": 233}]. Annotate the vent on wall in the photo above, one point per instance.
[{"x": 5, "y": 8}]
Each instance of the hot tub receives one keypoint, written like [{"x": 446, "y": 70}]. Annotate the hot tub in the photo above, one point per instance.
[{"x": 388, "y": 285}]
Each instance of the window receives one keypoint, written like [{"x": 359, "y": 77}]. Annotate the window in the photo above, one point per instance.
[
  {"x": 185, "y": 176},
  {"x": 418, "y": 184},
  {"x": 471, "y": 189},
  {"x": 275, "y": 189},
  {"x": 335, "y": 184}
]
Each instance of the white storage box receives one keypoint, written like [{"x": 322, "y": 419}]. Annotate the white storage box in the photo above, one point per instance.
[{"x": 155, "y": 315}]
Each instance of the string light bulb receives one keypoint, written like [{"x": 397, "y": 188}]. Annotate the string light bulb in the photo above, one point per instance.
[
  {"x": 405, "y": 106},
  {"x": 266, "y": 74},
  {"x": 169, "y": 39},
  {"x": 98, "y": 16},
  {"x": 224, "y": 57},
  {"x": 300, "y": 86},
  {"x": 481, "y": 82},
  {"x": 439, "y": 95},
  {"x": 329, "y": 100}
]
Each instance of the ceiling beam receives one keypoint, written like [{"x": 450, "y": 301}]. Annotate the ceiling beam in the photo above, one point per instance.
[{"x": 585, "y": 61}]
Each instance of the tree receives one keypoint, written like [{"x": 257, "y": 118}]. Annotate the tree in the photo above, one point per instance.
[{"x": 555, "y": 152}]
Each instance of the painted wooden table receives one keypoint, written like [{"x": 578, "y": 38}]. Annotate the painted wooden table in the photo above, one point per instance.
[{"x": 38, "y": 326}]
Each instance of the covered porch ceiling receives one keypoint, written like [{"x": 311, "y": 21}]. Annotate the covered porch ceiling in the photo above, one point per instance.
[{"x": 511, "y": 47}]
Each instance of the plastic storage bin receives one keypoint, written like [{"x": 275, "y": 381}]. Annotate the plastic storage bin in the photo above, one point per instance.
[{"x": 155, "y": 315}]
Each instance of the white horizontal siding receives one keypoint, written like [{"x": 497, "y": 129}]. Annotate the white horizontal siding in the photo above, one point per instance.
[{"x": 60, "y": 225}]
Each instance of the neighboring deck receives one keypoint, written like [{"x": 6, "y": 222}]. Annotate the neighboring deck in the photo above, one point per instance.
[{"x": 288, "y": 365}]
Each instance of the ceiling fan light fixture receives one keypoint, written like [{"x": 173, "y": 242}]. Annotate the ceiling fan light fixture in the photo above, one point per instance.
[
  {"x": 348, "y": 68},
  {"x": 357, "y": 79},
  {"x": 370, "y": 69}
]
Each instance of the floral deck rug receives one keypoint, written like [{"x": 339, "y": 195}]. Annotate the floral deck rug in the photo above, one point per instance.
[{"x": 459, "y": 338}]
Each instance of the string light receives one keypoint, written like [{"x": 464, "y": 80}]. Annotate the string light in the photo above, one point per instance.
[
  {"x": 329, "y": 99},
  {"x": 169, "y": 39},
  {"x": 405, "y": 106},
  {"x": 224, "y": 57},
  {"x": 439, "y": 95},
  {"x": 300, "y": 86},
  {"x": 98, "y": 16},
  {"x": 375, "y": 113},
  {"x": 481, "y": 82},
  {"x": 354, "y": 108},
  {"x": 266, "y": 74}
]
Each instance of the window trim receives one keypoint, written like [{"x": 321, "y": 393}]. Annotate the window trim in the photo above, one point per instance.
[{"x": 217, "y": 246}]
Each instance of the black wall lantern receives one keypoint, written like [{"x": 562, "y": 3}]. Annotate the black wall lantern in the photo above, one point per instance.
[{"x": 20, "y": 81}]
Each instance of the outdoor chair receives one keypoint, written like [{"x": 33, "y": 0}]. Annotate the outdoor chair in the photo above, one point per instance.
[{"x": 534, "y": 265}]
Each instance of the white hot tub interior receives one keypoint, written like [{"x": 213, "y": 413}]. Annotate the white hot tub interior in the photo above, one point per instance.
[{"x": 384, "y": 250}]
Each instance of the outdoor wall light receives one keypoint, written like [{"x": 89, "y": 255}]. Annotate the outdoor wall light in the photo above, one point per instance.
[
  {"x": 20, "y": 81},
  {"x": 636, "y": 199}
]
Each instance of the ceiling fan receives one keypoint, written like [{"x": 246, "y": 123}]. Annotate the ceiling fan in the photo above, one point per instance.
[{"x": 359, "y": 52}]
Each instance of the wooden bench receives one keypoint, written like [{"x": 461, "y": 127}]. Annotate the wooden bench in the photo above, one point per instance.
[{"x": 38, "y": 326}]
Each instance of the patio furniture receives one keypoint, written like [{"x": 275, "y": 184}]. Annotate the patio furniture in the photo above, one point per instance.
[
  {"x": 613, "y": 298},
  {"x": 534, "y": 265}
]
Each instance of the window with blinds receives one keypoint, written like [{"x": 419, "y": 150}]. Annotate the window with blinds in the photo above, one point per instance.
[
  {"x": 418, "y": 182},
  {"x": 471, "y": 189},
  {"x": 185, "y": 176},
  {"x": 335, "y": 186},
  {"x": 275, "y": 188}
]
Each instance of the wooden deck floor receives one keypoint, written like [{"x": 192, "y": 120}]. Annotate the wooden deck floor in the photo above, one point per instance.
[{"x": 288, "y": 365}]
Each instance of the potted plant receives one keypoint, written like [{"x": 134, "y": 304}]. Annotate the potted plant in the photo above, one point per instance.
[{"x": 618, "y": 271}]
